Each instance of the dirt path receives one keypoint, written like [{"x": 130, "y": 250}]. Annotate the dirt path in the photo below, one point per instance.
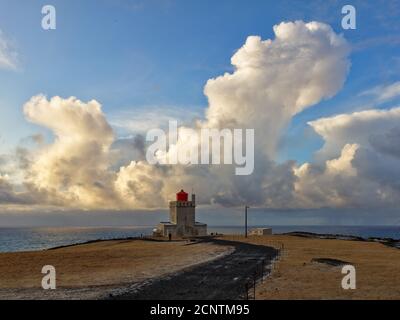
[{"x": 223, "y": 278}]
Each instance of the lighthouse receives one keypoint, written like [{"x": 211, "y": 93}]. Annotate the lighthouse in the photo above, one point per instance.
[{"x": 182, "y": 218}]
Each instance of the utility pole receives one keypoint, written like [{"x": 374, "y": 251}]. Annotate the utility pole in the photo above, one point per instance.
[{"x": 245, "y": 220}]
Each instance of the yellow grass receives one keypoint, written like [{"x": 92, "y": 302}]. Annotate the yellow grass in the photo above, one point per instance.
[
  {"x": 107, "y": 263},
  {"x": 296, "y": 277},
  {"x": 91, "y": 270}
]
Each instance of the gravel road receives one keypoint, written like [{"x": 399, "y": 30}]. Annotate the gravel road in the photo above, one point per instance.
[{"x": 224, "y": 278}]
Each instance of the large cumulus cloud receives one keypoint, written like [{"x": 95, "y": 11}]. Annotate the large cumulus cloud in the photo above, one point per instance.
[
  {"x": 273, "y": 80},
  {"x": 276, "y": 79},
  {"x": 73, "y": 170},
  {"x": 359, "y": 164}
]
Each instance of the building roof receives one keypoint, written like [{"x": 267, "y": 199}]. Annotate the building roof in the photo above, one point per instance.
[
  {"x": 182, "y": 196},
  {"x": 169, "y": 223}
]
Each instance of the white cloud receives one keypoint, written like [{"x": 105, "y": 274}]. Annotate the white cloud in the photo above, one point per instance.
[
  {"x": 6, "y": 191},
  {"x": 273, "y": 80},
  {"x": 8, "y": 56},
  {"x": 276, "y": 79},
  {"x": 359, "y": 164},
  {"x": 324, "y": 186},
  {"x": 357, "y": 127},
  {"x": 73, "y": 170},
  {"x": 383, "y": 94},
  {"x": 151, "y": 117}
]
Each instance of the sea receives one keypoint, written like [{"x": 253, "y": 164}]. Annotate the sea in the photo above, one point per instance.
[{"x": 39, "y": 238}]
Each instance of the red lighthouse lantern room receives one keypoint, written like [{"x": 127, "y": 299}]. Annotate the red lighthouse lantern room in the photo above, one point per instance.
[{"x": 182, "y": 196}]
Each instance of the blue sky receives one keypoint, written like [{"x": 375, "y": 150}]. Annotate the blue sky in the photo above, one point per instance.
[
  {"x": 147, "y": 59},
  {"x": 135, "y": 55}
]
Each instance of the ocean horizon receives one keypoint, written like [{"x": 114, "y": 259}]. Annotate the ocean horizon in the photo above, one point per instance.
[{"x": 15, "y": 239}]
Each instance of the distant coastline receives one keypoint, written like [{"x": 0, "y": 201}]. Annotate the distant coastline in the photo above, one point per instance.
[
  {"x": 386, "y": 241},
  {"x": 33, "y": 239}
]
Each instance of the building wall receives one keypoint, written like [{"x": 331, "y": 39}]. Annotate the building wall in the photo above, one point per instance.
[
  {"x": 201, "y": 230},
  {"x": 167, "y": 229},
  {"x": 182, "y": 213},
  {"x": 182, "y": 220},
  {"x": 182, "y": 230},
  {"x": 261, "y": 232}
]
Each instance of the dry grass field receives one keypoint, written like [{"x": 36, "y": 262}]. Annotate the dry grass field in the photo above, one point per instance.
[
  {"x": 295, "y": 277},
  {"x": 89, "y": 270}
]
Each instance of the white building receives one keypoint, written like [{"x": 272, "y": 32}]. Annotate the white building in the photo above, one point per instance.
[
  {"x": 261, "y": 231},
  {"x": 182, "y": 219}
]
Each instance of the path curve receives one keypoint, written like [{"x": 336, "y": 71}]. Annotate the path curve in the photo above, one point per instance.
[{"x": 224, "y": 278}]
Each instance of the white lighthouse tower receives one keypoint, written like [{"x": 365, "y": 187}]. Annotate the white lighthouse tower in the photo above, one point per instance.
[{"x": 182, "y": 218}]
